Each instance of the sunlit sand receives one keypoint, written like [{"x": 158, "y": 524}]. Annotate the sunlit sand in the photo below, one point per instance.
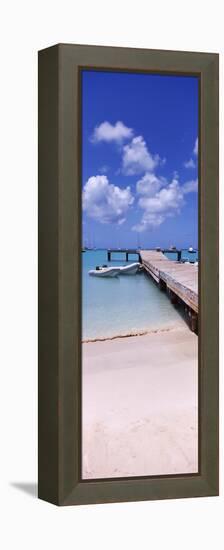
[{"x": 139, "y": 408}]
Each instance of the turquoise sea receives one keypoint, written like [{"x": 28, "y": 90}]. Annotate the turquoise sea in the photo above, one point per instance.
[{"x": 123, "y": 305}]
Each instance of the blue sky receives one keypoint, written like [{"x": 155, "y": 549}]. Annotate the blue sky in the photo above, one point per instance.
[{"x": 139, "y": 159}]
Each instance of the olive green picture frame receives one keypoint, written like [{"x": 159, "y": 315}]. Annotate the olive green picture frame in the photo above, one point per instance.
[{"x": 59, "y": 380}]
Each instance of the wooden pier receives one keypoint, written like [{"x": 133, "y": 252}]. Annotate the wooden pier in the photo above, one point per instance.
[
  {"x": 125, "y": 251},
  {"x": 180, "y": 280}
]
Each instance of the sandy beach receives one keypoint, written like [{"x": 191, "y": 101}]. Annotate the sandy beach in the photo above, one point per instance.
[{"x": 139, "y": 408}]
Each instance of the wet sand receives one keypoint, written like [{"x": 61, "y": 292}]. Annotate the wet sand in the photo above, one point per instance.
[{"x": 139, "y": 405}]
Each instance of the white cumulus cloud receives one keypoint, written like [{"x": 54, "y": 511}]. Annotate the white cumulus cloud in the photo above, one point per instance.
[
  {"x": 196, "y": 147},
  {"x": 105, "y": 202},
  {"x": 137, "y": 158},
  {"x": 166, "y": 201},
  {"x": 109, "y": 132},
  {"x": 148, "y": 221},
  {"x": 190, "y": 186},
  {"x": 150, "y": 184},
  {"x": 191, "y": 163}
]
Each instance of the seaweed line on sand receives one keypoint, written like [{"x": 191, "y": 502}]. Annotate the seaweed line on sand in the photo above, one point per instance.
[{"x": 131, "y": 334}]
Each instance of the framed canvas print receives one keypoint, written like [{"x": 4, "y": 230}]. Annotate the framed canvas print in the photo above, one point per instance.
[{"x": 128, "y": 274}]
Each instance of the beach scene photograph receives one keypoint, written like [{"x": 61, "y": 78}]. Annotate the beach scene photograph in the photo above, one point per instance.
[{"x": 140, "y": 261}]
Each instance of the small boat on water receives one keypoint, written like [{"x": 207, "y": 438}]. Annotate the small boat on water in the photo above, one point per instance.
[
  {"x": 104, "y": 271},
  {"x": 131, "y": 269}
]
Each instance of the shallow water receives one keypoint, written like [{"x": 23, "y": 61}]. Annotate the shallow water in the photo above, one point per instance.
[{"x": 122, "y": 305}]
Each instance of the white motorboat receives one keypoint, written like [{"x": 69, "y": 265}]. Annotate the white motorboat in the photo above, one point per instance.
[
  {"x": 131, "y": 269},
  {"x": 105, "y": 272}
]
